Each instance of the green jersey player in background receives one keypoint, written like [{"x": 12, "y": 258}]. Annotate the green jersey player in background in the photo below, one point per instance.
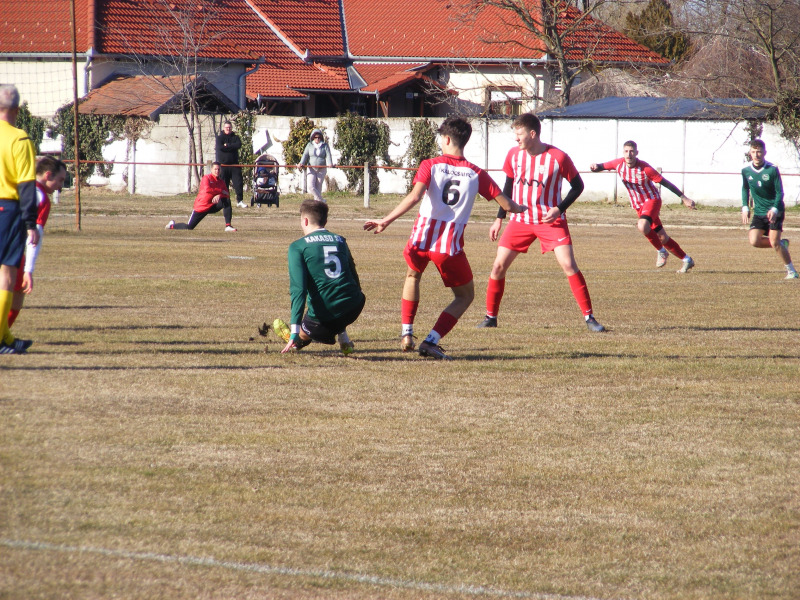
[
  {"x": 761, "y": 182},
  {"x": 323, "y": 283}
]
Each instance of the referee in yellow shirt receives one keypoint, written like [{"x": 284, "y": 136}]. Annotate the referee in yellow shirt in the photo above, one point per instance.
[{"x": 17, "y": 209}]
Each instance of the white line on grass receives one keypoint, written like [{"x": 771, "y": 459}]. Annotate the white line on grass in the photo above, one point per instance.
[{"x": 471, "y": 590}]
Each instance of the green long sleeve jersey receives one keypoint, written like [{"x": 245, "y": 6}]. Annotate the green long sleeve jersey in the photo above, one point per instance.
[
  {"x": 322, "y": 275},
  {"x": 764, "y": 186}
]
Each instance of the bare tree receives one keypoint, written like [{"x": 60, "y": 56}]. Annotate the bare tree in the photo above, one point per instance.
[
  {"x": 175, "y": 58},
  {"x": 766, "y": 28},
  {"x": 564, "y": 30},
  {"x": 750, "y": 48}
]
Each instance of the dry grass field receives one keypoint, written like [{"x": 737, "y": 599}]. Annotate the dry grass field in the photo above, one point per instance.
[{"x": 153, "y": 445}]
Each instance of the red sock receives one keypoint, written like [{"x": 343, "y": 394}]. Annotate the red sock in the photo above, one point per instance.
[
  {"x": 652, "y": 237},
  {"x": 445, "y": 323},
  {"x": 408, "y": 310},
  {"x": 673, "y": 247},
  {"x": 12, "y": 316},
  {"x": 494, "y": 293},
  {"x": 578, "y": 285}
]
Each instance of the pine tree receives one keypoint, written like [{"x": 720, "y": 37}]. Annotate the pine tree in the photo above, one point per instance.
[{"x": 654, "y": 27}]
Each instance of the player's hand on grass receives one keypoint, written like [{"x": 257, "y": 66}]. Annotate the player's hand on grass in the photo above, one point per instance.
[
  {"x": 689, "y": 202},
  {"x": 289, "y": 347}
]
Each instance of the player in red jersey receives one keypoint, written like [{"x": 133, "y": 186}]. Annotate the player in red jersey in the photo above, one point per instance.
[
  {"x": 640, "y": 179},
  {"x": 50, "y": 176},
  {"x": 534, "y": 173},
  {"x": 212, "y": 197},
  {"x": 447, "y": 186}
]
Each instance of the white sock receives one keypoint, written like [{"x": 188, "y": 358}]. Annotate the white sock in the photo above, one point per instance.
[
  {"x": 344, "y": 338},
  {"x": 407, "y": 329},
  {"x": 662, "y": 251},
  {"x": 433, "y": 337},
  {"x": 790, "y": 268},
  {"x": 687, "y": 258}
]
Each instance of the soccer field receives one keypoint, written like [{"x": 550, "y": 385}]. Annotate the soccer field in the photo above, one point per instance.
[{"x": 154, "y": 445}]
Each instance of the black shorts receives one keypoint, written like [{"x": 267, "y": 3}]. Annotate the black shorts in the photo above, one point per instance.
[
  {"x": 325, "y": 333},
  {"x": 762, "y": 223}
]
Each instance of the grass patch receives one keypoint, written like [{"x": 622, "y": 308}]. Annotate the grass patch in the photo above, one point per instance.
[{"x": 659, "y": 460}]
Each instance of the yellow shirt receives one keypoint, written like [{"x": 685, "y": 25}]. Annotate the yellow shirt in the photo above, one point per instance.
[{"x": 17, "y": 160}]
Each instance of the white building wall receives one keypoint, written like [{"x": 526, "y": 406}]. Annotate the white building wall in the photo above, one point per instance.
[
  {"x": 704, "y": 158},
  {"x": 46, "y": 85}
]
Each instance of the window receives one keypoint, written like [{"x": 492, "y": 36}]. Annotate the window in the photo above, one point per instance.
[{"x": 504, "y": 101}]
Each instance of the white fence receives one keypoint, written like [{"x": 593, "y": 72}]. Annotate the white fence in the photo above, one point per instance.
[{"x": 701, "y": 157}]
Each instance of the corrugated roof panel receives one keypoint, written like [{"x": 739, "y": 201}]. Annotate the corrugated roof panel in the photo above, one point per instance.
[{"x": 662, "y": 108}]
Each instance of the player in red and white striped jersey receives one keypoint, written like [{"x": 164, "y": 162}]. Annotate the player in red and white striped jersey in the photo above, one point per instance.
[
  {"x": 446, "y": 186},
  {"x": 50, "y": 176},
  {"x": 641, "y": 181},
  {"x": 534, "y": 174}
]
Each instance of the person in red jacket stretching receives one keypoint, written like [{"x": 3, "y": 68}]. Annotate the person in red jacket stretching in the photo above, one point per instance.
[{"x": 212, "y": 197}]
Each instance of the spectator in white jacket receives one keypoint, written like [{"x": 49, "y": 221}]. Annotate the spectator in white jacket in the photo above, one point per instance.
[{"x": 316, "y": 158}]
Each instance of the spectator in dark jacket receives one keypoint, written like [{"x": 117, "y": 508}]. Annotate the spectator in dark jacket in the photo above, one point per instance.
[{"x": 228, "y": 144}]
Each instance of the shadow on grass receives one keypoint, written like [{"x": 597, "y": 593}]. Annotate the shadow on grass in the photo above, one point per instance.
[
  {"x": 724, "y": 328},
  {"x": 86, "y": 307}
]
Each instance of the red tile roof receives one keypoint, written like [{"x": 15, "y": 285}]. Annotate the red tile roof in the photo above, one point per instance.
[
  {"x": 141, "y": 96},
  {"x": 35, "y": 26},
  {"x": 383, "y": 77},
  {"x": 313, "y": 25},
  {"x": 292, "y": 83},
  {"x": 282, "y": 31},
  {"x": 387, "y": 30},
  {"x": 439, "y": 29}
]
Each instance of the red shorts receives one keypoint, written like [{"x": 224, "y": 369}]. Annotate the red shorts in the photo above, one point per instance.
[
  {"x": 519, "y": 236},
  {"x": 651, "y": 209},
  {"x": 455, "y": 270}
]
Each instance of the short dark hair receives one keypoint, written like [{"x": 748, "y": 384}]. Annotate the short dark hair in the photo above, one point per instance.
[
  {"x": 49, "y": 164},
  {"x": 529, "y": 121},
  {"x": 458, "y": 128},
  {"x": 316, "y": 211},
  {"x": 227, "y": 123},
  {"x": 758, "y": 144},
  {"x": 631, "y": 144},
  {"x": 216, "y": 162}
]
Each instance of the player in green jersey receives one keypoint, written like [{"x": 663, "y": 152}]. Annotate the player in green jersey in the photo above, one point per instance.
[
  {"x": 323, "y": 281},
  {"x": 761, "y": 182}
]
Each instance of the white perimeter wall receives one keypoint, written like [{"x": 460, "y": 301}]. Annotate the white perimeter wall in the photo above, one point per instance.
[{"x": 703, "y": 158}]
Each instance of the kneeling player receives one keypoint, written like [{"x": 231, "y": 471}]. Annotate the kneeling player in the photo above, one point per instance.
[
  {"x": 323, "y": 279},
  {"x": 212, "y": 197}
]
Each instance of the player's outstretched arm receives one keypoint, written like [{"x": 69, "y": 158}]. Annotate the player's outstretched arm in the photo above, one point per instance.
[
  {"x": 405, "y": 205},
  {"x": 508, "y": 205},
  {"x": 596, "y": 167},
  {"x": 688, "y": 202}
]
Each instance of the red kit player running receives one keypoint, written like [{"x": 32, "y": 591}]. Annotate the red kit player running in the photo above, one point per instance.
[
  {"x": 534, "y": 173},
  {"x": 640, "y": 179},
  {"x": 447, "y": 187}
]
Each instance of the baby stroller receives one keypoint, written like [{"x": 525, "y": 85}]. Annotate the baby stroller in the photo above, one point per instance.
[{"x": 265, "y": 181}]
